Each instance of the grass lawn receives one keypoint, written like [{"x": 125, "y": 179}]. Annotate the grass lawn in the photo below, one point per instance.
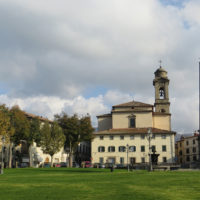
[{"x": 94, "y": 184}]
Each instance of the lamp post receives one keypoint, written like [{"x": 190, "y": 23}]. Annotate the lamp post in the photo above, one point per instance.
[
  {"x": 149, "y": 136},
  {"x": 127, "y": 148},
  {"x": 2, "y": 163}
]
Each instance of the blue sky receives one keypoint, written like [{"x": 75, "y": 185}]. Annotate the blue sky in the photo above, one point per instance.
[{"x": 177, "y": 3}]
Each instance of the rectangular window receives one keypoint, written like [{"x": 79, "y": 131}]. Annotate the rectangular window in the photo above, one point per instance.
[
  {"x": 153, "y": 148},
  {"x": 101, "y": 160},
  {"x": 188, "y": 158},
  {"x": 143, "y": 159},
  {"x": 121, "y": 160},
  {"x": 142, "y": 137},
  {"x": 121, "y": 137},
  {"x": 131, "y": 137},
  {"x": 111, "y": 160},
  {"x": 187, "y": 150},
  {"x": 193, "y": 141},
  {"x": 101, "y": 137},
  {"x": 111, "y": 137},
  {"x": 187, "y": 142},
  {"x": 132, "y": 160},
  {"x": 132, "y": 122},
  {"x": 142, "y": 148},
  {"x": 132, "y": 148},
  {"x": 194, "y": 149},
  {"x": 194, "y": 158},
  {"x": 180, "y": 144},
  {"x": 164, "y": 159},
  {"x": 164, "y": 148},
  {"x": 111, "y": 149},
  {"x": 163, "y": 136}
]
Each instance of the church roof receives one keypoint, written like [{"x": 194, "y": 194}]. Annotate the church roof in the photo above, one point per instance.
[
  {"x": 132, "y": 131},
  {"x": 160, "y": 69},
  {"x": 133, "y": 104},
  {"x": 105, "y": 115}
]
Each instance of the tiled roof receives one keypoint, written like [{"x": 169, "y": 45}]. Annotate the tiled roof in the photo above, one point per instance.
[
  {"x": 133, "y": 104},
  {"x": 132, "y": 131},
  {"x": 29, "y": 115},
  {"x": 105, "y": 115},
  {"x": 160, "y": 113}
]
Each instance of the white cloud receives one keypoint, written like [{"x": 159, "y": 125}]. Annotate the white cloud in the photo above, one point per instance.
[{"x": 52, "y": 51}]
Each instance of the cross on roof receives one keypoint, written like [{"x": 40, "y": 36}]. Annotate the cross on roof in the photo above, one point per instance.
[{"x": 160, "y": 61}]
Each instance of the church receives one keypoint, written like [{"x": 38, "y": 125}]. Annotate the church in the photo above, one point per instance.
[{"x": 134, "y": 130}]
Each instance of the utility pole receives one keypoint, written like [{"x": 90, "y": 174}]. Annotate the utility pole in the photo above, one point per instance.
[
  {"x": 127, "y": 148},
  {"x": 149, "y": 136},
  {"x": 2, "y": 163},
  {"x": 199, "y": 115}
]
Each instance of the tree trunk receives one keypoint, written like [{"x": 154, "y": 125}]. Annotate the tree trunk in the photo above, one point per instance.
[
  {"x": 70, "y": 159},
  {"x": 51, "y": 160},
  {"x": 10, "y": 155},
  {"x": 70, "y": 154},
  {"x": 30, "y": 156}
]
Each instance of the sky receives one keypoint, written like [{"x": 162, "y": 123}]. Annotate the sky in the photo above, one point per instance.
[{"x": 85, "y": 56}]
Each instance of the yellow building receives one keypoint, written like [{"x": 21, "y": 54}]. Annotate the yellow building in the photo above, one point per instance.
[
  {"x": 122, "y": 135},
  {"x": 188, "y": 149}
]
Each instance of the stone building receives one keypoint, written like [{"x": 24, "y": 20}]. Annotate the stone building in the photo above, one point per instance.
[
  {"x": 122, "y": 134},
  {"x": 188, "y": 149}
]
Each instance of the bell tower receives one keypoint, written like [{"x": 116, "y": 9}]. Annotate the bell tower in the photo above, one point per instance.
[{"x": 161, "y": 84}]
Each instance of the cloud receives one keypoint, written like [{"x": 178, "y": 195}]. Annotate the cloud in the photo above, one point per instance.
[{"x": 53, "y": 52}]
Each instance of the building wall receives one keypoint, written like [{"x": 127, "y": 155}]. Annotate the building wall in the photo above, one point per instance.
[
  {"x": 138, "y": 142},
  {"x": 104, "y": 123},
  {"x": 121, "y": 120},
  {"x": 188, "y": 150},
  {"x": 162, "y": 122},
  {"x": 38, "y": 154}
]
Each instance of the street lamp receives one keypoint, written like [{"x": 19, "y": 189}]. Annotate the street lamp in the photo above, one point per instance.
[
  {"x": 149, "y": 136},
  {"x": 127, "y": 148},
  {"x": 2, "y": 163}
]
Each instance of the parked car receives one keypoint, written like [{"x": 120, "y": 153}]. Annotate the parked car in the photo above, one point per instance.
[
  {"x": 101, "y": 165},
  {"x": 98, "y": 165},
  {"x": 56, "y": 165},
  {"x": 88, "y": 164},
  {"x": 109, "y": 165},
  {"x": 24, "y": 164},
  {"x": 63, "y": 164},
  {"x": 121, "y": 166},
  {"x": 76, "y": 165},
  {"x": 47, "y": 165}
]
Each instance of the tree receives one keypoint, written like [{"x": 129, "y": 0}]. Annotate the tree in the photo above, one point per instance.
[
  {"x": 21, "y": 126},
  {"x": 52, "y": 139},
  {"x": 76, "y": 130},
  {"x": 34, "y": 136},
  {"x": 6, "y": 129}
]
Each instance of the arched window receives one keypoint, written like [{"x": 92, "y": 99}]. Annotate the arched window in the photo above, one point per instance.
[
  {"x": 122, "y": 148},
  {"x": 111, "y": 149},
  {"x": 132, "y": 148},
  {"x": 101, "y": 149},
  {"x": 162, "y": 93}
]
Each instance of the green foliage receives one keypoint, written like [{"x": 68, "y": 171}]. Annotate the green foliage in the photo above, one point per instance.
[
  {"x": 21, "y": 124},
  {"x": 52, "y": 138},
  {"x": 76, "y": 130},
  {"x": 34, "y": 135},
  {"x": 6, "y": 128}
]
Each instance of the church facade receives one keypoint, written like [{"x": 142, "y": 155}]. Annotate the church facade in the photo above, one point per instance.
[{"x": 133, "y": 130}]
